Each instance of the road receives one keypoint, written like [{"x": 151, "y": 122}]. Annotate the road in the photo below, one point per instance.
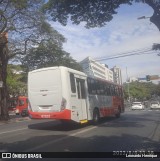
[{"x": 134, "y": 130}]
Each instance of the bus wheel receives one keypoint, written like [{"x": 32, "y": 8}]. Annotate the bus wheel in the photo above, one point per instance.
[
  {"x": 96, "y": 117},
  {"x": 118, "y": 114}
]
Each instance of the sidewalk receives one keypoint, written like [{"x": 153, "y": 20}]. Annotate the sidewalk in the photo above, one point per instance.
[{"x": 15, "y": 119}]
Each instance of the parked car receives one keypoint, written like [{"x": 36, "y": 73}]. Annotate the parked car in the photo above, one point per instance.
[
  {"x": 137, "y": 106},
  {"x": 24, "y": 112},
  {"x": 155, "y": 105}
]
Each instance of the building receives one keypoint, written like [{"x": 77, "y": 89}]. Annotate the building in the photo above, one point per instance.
[
  {"x": 95, "y": 69},
  {"x": 132, "y": 79},
  {"x": 117, "y": 75}
]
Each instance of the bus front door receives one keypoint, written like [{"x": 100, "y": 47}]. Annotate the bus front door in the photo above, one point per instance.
[{"x": 81, "y": 98}]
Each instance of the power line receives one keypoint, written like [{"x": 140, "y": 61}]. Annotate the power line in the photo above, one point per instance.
[
  {"x": 131, "y": 53},
  {"x": 137, "y": 50},
  {"x": 128, "y": 55}
]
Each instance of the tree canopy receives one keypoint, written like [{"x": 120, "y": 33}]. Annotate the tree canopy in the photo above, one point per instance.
[
  {"x": 28, "y": 30},
  {"x": 34, "y": 42},
  {"x": 95, "y": 13},
  {"x": 16, "y": 80},
  {"x": 141, "y": 90},
  {"x": 48, "y": 54}
]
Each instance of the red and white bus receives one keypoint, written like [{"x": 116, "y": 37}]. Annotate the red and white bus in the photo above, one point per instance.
[{"x": 66, "y": 94}]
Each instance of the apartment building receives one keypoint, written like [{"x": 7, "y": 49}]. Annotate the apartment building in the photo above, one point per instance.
[
  {"x": 117, "y": 75},
  {"x": 95, "y": 69}
]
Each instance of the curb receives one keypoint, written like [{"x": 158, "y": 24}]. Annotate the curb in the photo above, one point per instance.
[{"x": 15, "y": 120}]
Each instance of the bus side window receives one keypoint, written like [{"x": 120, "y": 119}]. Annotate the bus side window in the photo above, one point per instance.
[
  {"x": 116, "y": 91},
  {"x": 72, "y": 81},
  {"x": 119, "y": 92},
  {"x": 107, "y": 92},
  {"x": 111, "y": 90},
  {"x": 93, "y": 86},
  {"x": 89, "y": 85},
  {"x": 78, "y": 87},
  {"x": 98, "y": 90},
  {"x": 83, "y": 92},
  {"x": 102, "y": 90}
]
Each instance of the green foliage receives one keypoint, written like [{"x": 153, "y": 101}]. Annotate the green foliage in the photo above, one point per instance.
[
  {"x": 140, "y": 90},
  {"x": 27, "y": 29},
  {"x": 19, "y": 4},
  {"x": 94, "y": 12},
  {"x": 48, "y": 54},
  {"x": 158, "y": 89},
  {"x": 156, "y": 47},
  {"x": 27, "y": 26},
  {"x": 15, "y": 80}
]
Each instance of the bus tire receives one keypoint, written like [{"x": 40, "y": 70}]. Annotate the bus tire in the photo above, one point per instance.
[
  {"x": 96, "y": 117},
  {"x": 118, "y": 114}
]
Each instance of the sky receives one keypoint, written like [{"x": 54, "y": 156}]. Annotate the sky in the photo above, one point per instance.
[{"x": 124, "y": 33}]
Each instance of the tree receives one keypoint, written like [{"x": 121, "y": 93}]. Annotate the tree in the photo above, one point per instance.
[
  {"x": 94, "y": 12},
  {"x": 48, "y": 54},
  {"x": 16, "y": 82},
  {"x": 156, "y": 47},
  {"x": 141, "y": 90},
  {"x": 3, "y": 68},
  {"x": 158, "y": 89},
  {"x": 26, "y": 26}
]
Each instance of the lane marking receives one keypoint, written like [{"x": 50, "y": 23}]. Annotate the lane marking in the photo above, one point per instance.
[
  {"x": 82, "y": 131},
  {"x": 13, "y": 130},
  {"x": 60, "y": 139}
]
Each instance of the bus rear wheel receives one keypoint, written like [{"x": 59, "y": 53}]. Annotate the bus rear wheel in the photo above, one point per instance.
[{"x": 96, "y": 117}]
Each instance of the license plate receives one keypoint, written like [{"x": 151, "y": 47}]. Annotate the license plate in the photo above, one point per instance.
[{"x": 45, "y": 116}]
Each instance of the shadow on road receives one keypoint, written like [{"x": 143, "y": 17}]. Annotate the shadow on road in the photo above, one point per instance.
[
  {"x": 59, "y": 126},
  {"x": 56, "y": 126},
  {"x": 112, "y": 122}
]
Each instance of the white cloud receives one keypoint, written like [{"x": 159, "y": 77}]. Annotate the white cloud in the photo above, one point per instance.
[{"x": 124, "y": 33}]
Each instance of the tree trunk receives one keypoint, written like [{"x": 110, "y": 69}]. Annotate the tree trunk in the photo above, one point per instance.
[{"x": 3, "y": 76}]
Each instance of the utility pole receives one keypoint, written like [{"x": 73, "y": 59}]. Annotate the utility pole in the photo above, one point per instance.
[{"x": 128, "y": 87}]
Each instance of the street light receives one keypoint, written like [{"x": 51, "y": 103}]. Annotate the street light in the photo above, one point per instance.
[{"x": 128, "y": 86}]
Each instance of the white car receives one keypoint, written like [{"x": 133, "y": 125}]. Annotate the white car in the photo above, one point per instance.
[
  {"x": 155, "y": 105},
  {"x": 137, "y": 106}
]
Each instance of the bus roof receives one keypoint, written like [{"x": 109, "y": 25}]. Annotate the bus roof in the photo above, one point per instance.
[
  {"x": 107, "y": 81},
  {"x": 59, "y": 67},
  {"x": 74, "y": 71}
]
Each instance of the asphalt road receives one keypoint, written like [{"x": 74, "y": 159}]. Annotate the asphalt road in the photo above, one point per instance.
[{"x": 133, "y": 131}]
